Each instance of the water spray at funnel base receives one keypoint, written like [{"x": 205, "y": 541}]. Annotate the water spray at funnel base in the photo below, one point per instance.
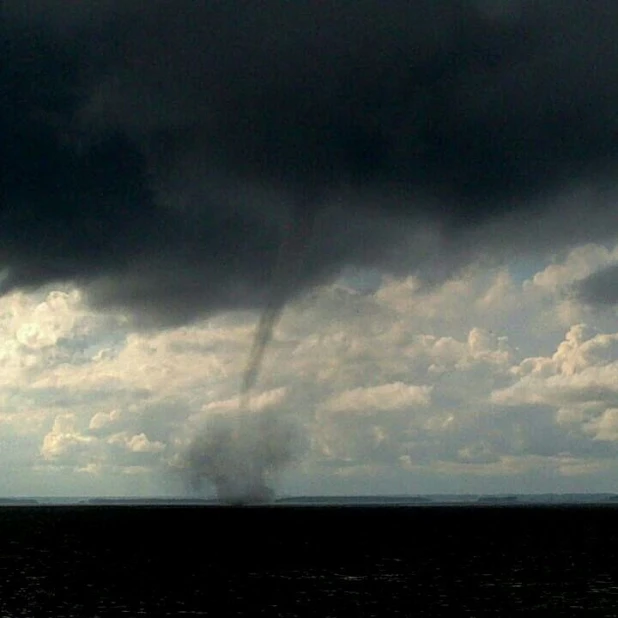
[{"x": 242, "y": 456}]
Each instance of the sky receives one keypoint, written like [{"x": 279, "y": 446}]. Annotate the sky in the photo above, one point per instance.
[
  {"x": 486, "y": 384},
  {"x": 305, "y": 247}
]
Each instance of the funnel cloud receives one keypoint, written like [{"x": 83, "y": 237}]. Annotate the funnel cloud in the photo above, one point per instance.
[{"x": 287, "y": 270}]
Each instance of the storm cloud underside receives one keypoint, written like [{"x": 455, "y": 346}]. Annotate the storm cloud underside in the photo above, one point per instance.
[{"x": 154, "y": 153}]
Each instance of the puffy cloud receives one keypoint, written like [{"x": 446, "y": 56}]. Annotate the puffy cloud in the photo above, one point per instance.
[
  {"x": 103, "y": 419},
  {"x": 605, "y": 426},
  {"x": 138, "y": 443},
  {"x": 583, "y": 369},
  {"x": 396, "y": 396},
  {"x": 580, "y": 263},
  {"x": 363, "y": 425},
  {"x": 65, "y": 441}
]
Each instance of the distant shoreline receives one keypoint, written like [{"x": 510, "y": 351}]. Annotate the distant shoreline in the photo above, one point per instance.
[{"x": 309, "y": 501}]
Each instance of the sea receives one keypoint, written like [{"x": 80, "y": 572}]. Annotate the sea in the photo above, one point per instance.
[{"x": 308, "y": 559}]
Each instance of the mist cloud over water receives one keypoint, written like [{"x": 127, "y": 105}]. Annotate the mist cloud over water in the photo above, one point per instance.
[{"x": 241, "y": 456}]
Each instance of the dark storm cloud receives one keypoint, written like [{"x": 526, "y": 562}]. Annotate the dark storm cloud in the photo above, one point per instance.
[
  {"x": 156, "y": 152},
  {"x": 600, "y": 288}
]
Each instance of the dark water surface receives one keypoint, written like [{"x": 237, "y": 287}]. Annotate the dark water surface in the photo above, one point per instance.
[{"x": 308, "y": 561}]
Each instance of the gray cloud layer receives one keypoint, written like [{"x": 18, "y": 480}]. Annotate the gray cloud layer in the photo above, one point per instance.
[
  {"x": 157, "y": 152},
  {"x": 600, "y": 288}
]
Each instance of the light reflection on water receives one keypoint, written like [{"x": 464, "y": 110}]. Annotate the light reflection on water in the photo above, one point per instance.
[{"x": 35, "y": 596}]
